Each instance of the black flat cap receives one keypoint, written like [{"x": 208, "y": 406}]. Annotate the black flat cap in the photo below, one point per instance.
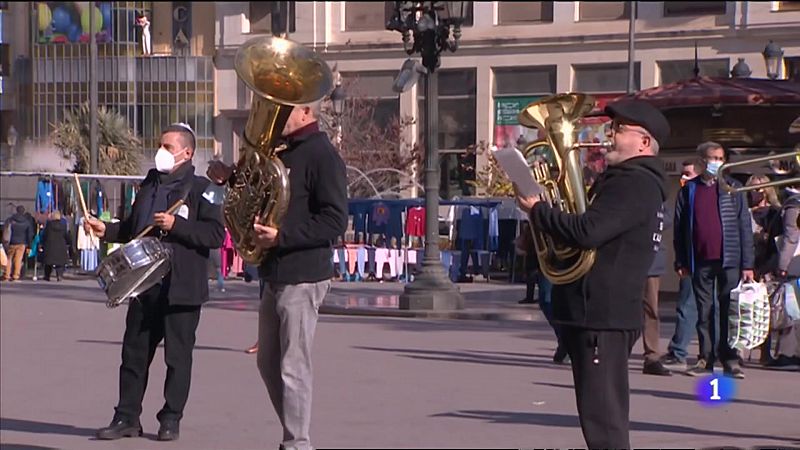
[{"x": 643, "y": 114}]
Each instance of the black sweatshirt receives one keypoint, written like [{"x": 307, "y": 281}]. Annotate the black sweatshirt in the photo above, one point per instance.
[
  {"x": 317, "y": 212},
  {"x": 623, "y": 223}
]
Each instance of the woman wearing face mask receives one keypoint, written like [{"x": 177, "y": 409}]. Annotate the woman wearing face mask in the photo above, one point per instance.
[{"x": 765, "y": 210}]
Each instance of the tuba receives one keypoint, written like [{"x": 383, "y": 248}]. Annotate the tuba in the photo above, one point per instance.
[
  {"x": 562, "y": 179},
  {"x": 282, "y": 74}
]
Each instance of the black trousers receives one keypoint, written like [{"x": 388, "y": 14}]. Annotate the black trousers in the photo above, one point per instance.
[
  {"x": 600, "y": 372},
  {"x": 703, "y": 278},
  {"x": 48, "y": 270},
  {"x": 151, "y": 319}
]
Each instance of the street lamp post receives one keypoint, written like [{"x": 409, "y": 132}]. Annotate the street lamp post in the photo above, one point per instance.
[
  {"x": 11, "y": 139},
  {"x": 773, "y": 58},
  {"x": 430, "y": 24},
  {"x": 94, "y": 160}
]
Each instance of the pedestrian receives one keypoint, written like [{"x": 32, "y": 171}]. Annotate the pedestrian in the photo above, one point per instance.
[
  {"x": 651, "y": 330},
  {"x": 170, "y": 310},
  {"x": 601, "y": 313},
  {"x": 525, "y": 245},
  {"x": 20, "y": 238},
  {"x": 55, "y": 246},
  {"x": 686, "y": 308},
  {"x": 215, "y": 265},
  {"x": 297, "y": 269},
  {"x": 713, "y": 243}
]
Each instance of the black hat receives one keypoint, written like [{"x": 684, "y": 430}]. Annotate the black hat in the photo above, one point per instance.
[{"x": 643, "y": 114}]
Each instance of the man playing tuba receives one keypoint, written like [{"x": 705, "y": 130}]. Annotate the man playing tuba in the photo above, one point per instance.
[
  {"x": 297, "y": 268},
  {"x": 600, "y": 313}
]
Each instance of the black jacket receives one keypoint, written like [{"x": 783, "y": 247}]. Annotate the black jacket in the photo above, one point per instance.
[
  {"x": 191, "y": 238},
  {"x": 316, "y": 216},
  {"x": 55, "y": 243},
  {"x": 622, "y": 223},
  {"x": 22, "y": 231}
]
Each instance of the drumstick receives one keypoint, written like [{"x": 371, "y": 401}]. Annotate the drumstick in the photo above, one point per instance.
[
  {"x": 171, "y": 210},
  {"x": 83, "y": 203}
]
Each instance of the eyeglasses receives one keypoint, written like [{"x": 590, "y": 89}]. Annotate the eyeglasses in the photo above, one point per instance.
[{"x": 617, "y": 127}]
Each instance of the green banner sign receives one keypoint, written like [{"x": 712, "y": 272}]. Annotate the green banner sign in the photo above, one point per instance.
[{"x": 506, "y": 109}]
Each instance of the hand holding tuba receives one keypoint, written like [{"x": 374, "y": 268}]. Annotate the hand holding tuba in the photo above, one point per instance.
[{"x": 562, "y": 179}]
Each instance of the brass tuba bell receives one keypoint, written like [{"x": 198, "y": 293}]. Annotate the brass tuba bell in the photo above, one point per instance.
[
  {"x": 282, "y": 74},
  {"x": 562, "y": 180}
]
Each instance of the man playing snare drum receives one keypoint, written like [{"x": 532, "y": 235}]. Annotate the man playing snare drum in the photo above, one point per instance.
[{"x": 169, "y": 310}]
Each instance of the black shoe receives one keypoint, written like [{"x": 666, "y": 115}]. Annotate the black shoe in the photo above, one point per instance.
[
  {"x": 699, "y": 369},
  {"x": 525, "y": 301},
  {"x": 169, "y": 431},
  {"x": 560, "y": 356},
  {"x": 783, "y": 362},
  {"x": 119, "y": 428},
  {"x": 732, "y": 370},
  {"x": 656, "y": 368},
  {"x": 671, "y": 361}
]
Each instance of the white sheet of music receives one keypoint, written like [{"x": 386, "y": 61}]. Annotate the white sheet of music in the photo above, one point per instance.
[{"x": 514, "y": 165}]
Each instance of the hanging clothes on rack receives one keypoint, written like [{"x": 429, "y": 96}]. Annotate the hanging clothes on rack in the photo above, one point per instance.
[
  {"x": 227, "y": 252},
  {"x": 88, "y": 245},
  {"x": 415, "y": 221},
  {"x": 86, "y": 187},
  {"x": 471, "y": 238},
  {"x": 67, "y": 197},
  {"x": 44, "y": 196},
  {"x": 360, "y": 213},
  {"x": 494, "y": 230},
  {"x": 99, "y": 197}
]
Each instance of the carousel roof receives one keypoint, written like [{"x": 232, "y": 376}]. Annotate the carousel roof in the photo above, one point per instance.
[{"x": 708, "y": 91}]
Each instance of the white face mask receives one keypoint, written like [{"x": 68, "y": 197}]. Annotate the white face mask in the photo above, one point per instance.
[
  {"x": 712, "y": 167},
  {"x": 165, "y": 161}
]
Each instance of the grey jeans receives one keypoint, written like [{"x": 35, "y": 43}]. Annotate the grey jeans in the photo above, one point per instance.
[{"x": 287, "y": 320}]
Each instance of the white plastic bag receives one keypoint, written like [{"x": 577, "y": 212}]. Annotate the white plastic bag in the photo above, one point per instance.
[{"x": 748, "y": 316}]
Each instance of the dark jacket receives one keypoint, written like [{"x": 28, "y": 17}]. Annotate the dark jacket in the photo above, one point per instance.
[
  {"x": 737, "y": 228},
  {"x": 55, "y": 243},
  {"x": 22, "y": 230},
  {"x": 791, "y": 234},
  {"x": 316, "y": 215},
  {"x": 623, "y": 225},
  {"x": 190, "y": 238}
]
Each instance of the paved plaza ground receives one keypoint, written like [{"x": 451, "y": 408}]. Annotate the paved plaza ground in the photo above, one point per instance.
[{"x": 380, "y": 382}]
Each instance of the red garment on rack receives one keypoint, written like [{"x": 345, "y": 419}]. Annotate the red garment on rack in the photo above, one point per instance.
[
  {"x": 415, "y": 221},
  {"x": 227, "y": 253}
]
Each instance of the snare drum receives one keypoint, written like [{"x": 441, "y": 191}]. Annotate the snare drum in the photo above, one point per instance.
[{"x": 132, "y": 269}]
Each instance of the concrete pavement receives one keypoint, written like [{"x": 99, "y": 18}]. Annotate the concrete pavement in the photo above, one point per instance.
[{"x": 380, "y": 382}]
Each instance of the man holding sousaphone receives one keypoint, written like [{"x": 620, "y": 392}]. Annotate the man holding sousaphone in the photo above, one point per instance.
[
  {"x": 600, "y": 309},
  {"x": 169, "y": 310}
]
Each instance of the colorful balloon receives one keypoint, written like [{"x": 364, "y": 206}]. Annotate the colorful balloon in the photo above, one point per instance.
[
  {"x": 61, "y": 20},
  {"x": 106, "y": 10},
  {"x": 98, "y": 20},
  {"x": 74, "y": 33},
  {"x": 45, "y": 16}
]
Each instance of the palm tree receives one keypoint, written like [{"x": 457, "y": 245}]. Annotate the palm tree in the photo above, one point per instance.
[{"x": 118, "y": 147}]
